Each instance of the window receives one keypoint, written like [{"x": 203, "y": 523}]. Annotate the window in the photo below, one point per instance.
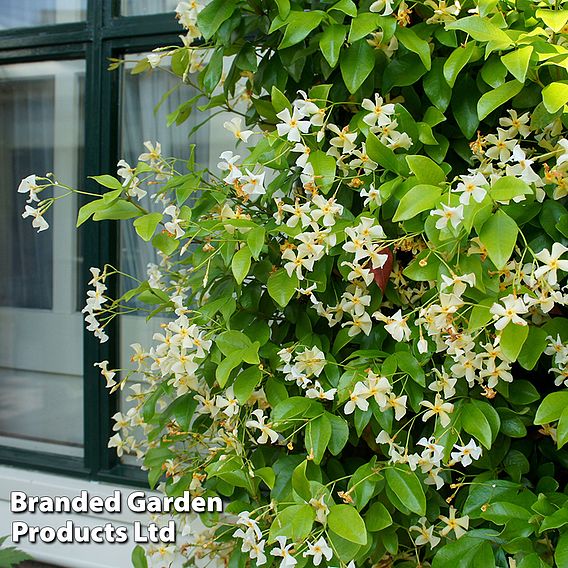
[{"x": 55, "y": 412}]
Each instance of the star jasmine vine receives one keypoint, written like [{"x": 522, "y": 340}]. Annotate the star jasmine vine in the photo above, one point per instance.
[{"x": 363, "y": 345}]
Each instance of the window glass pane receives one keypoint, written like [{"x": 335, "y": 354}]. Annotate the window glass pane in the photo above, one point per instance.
[
  {"x": 41, "y": 390},
  {"x": 145, "y": 7},
  {"x": 26, "y": 13}
]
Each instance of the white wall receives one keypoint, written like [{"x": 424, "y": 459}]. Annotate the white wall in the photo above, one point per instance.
[{"x": 66, "y": 555}]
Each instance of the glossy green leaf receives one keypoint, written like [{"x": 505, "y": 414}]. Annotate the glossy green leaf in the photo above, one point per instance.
[
  {"x": 318, "y": 434},
  {"x": 555, "y": 96},
  {"x": 356, "y": 63},
  {"x": 499, "y": 235},
  {"x": 517, "y": 62},
  {"x": 146, "y": 225},
  {"x": 513, "y": 338},
  {"x": 420, "y": 198},
  {"x": 345, "y": 521},
  {"x": 331, "y": 41},
  {"x": 408, "y": 37},
  {"x": 552, "y": 407},
  {"x": 294, "y": 522},
  {"x": 281, "y": 287},
  {"x": 492, "y": 100},
  {"x": 213, "y": 15},
  {"x": 299, "y": 25},
  {"x": 481, "y": 29},
  {"x": 407, "y": 487},
  {"x": 457, "y": 60}
]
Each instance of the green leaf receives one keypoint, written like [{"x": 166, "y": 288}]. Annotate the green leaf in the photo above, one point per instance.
[
  {"x": 457, "y": 60},
  {"x": 255, "y": 240},
  {"x": 562, "y": 429},
  {"x": 283, "y": 8},
  {"x": 467, "y": 552},
  {"x": 357, "y": 62},
  {"x": 362, "y": 26},
  {"x": 300, "y": 482},
  {"x": 509, "y": 187},
  {"x": 324, "y": 169},
  {"x": 108, "y": 181},
  {"x": 279, "y": 100},
  {"x": 331, "y": 41},
  {"x": 339, "y": 433},
  {"x": 146, "y": 225},
  {"x": 502, "y": 512},
  {"x": 481, "y": 29},
  {"x": 245, "y": 383},
  {"x": 475, "y": 423},
  {"x": 213, "y": 71},
  {"x": 555, "y": 96},
  {"x": 426, "y": 170},
  {"x": 464, "y": 105},
  {"x": 407, "y": 488},
  {"x": 88, "y": 209},
  {"x": 436, "y": 86},
  {"x": 408, "y": 38},
  {"x": 513, "y": 338},
  {"x": 345, "y": 521},
  {"x": 299, "y": 25},
  {"x": 348, "y": 7},
  {"x": 533, "y": 347},
  {"x": 281, "y": 287},
  {"x": 225, "y": 367},
  {"x": 499, "y": 235},
  {"x": 122, "y": 209},
  {"x": 267, "y": 475},
  {"x": 381, "y": 154},
  {"x": 139, "y": 557},
  {"x": 494, "y": 72},
  {"x": 492, "y": 100},
  {"x": 213, "y": 15},
  {"x": 517, "y": 62},
  {"x": 240, "y": 265},
  {"x": 420, "y": 198},
  {"x": 294, "y": 522},
  {"x": 555, "y": 19},
  {"x": 480, "y": 314},
  {"x": 561, "y": 552},
  {"x": 165, "y": 243},
  {"x": 551, "y": 408},
  {"x": 377, "y": 517},
  {"x": 318, "y": 435}
]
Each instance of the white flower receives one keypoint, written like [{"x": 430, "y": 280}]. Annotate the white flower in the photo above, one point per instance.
[
  {"x": 311, "y": 361},
  {"x": 438, "y": 408},
  {"x": 426, "y": 535},
  {"x": 265, "y": 429},
  {"x": 253, "y": 184},
  {"x": 318, "y": 392},
  {"x": 344, "y": 140},
  {"x": 228, "y": 162},
  {"x": 395, "y": 325},
  {"x": 359, "y": 323},
  {"x": 235, "y": 125},
  {"x": 357, "y": 399},
  {"x": 552, "y": 263},
  {"x": 291, "y": 125},
  {"x": 471, "y": 186},
  {"x": 38, "y": 222},
  {"x": 385, "y": 5},
  {"x": 466, "y": 454},
  {"x": 322, "y": 510},
  {"x": 284, "y": 552},
  {"x": 379, "y": 113},
  {"x": 459, "y": 526},
  {"x": 228, "y": 402},
  {"x": 327, "y": 209},
  {"x": 447, "y": 214},
  {"x": 319, "y": 550},
  {"x": 173, "y": 226},
  {"x": 516, "y": 124},
  {"x": 154, "y": 153},
  {"x": 29, "y": 185},
  {"x": 373, "y": 196},
  {"x": 513, "y": 306},
  {"x": 154, "y": 59}
]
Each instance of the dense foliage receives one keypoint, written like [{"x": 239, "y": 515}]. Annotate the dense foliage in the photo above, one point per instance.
[{"x": 364, "y": 347}]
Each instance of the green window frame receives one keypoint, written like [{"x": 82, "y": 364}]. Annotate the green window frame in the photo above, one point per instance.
[{"x": 105, "y": 34}]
